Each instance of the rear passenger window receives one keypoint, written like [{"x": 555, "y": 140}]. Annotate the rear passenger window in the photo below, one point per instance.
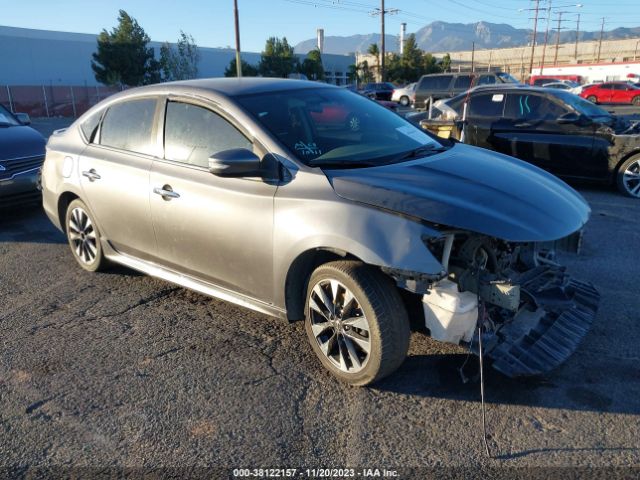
[
  {"x": 463, "y": 82},
  {"x": 532, "y": 107},
  {"x": 192, "y": 134},
  {"x": 486, "y": 105},
  {"x": 90, "y": 126},
  {"x": 128, "y": 126},
  {"x": 435, "y": 82}
]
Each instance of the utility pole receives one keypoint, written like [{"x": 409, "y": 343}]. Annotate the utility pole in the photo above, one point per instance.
[
  {"x": 555, "y": 57},
  {"x": 473, "y": 54},
  {"x": 546, "y": 38},
  {"x": 382, "y": 12},
  {"x": 535, "y": 34},
  {"x": 575, "y": 53},
  {"x": 600, "y": 41},
  {"x": 238, "y": 60}
]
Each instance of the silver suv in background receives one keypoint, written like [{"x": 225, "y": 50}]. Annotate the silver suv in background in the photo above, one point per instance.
[
  {"x": 248, "y": 190},
  {"x": 437, "y": 86}
]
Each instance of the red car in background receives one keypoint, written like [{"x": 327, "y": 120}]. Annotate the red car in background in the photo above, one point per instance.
[{"x": 612, "y": 92}]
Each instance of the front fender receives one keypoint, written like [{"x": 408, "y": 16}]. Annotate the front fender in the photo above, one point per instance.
[{"x": 375, "y": 236}]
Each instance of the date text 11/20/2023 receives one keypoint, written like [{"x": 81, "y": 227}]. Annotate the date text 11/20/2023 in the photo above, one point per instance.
[{"x": 314, "y": 473}]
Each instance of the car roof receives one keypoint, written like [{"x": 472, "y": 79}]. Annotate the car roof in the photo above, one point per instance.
[{"x": 229, "y": 87}]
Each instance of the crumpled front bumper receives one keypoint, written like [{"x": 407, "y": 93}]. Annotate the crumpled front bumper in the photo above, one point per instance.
[{"x": 558, "y": 315}]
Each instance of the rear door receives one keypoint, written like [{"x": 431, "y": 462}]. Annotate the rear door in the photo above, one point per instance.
[
  {"x": 115, "y": 175},
  {"x": 213, "y": 228}
]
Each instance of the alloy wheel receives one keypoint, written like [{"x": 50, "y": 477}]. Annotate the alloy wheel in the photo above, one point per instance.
[
  {"x": 631, "y": 178},
  {"x": 82, "y": 236},
  {"x": 339, "y": 325}
]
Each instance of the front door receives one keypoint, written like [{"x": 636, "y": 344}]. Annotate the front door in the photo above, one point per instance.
[{"x": 216, "y": 229}]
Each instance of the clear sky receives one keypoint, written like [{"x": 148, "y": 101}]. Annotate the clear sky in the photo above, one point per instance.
[{"x": 211, "y": 22}]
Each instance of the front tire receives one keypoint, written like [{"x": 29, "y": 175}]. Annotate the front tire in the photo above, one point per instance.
[
  {"x": 356, "y": 322},
  {"x": 636, "y": 101},
  {"x": 592, "y": 99},
  {"x": 628, "y": 177},
  {"x": 84, "y": 237}
]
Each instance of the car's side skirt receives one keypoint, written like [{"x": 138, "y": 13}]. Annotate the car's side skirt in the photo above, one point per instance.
[{"x": 191, "y": 283}]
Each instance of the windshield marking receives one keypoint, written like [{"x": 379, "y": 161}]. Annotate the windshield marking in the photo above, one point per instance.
[{"x": 307, "y": 148}]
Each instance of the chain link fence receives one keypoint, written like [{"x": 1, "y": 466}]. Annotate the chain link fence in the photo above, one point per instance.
[{"x": 53, "y": 101}]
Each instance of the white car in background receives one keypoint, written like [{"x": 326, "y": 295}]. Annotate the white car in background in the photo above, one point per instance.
[{"x": 404, "y": 95}]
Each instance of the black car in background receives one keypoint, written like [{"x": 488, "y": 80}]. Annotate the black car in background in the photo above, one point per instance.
[
  {"x": 555, "y": 130},
  {"x": 436, "y": 86},
  {"x": 378, "y": 91},
  {"x": 21, "y": 155}
]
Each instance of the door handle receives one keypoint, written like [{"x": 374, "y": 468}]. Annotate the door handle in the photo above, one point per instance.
[
  {"x": 91, "y": 175},
  {"x": 523, "y": 125},
  {"x": 166, "y": 192}
]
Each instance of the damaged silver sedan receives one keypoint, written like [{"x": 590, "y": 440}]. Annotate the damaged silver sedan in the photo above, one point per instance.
[{"x": 260, "y": 192}]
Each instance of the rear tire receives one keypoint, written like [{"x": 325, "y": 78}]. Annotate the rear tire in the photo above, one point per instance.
[
  {"x": 404, "y": 100},
  {"x": 356, "y": 322},
  {"x": 628, "y": 177},
  {"x": 84, "y": 237},
  {"x": 636, "y": 101},
  {"x": 592, "y": 99}
]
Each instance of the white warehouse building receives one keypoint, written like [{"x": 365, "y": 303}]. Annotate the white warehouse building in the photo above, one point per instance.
[{"x": 44, "y": 57}]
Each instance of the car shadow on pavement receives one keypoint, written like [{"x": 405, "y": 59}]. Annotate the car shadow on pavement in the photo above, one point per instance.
[
  {"x": 28, "y": 224},
  {"x": 584, "y": 383}
]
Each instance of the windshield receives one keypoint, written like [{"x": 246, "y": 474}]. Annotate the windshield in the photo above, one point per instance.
[
  {"x": 581, "y": 105},
  {"x": 332, "y": 126},
  {"x": 506, "y": 78},
  {"x": 6, "y": 118}
]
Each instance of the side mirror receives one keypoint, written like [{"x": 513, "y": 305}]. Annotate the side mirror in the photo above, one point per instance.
[
  {"x": 236, "y": 162},
  {"x": 570, "y": 117},
  {"x": 23, "y": 118}
]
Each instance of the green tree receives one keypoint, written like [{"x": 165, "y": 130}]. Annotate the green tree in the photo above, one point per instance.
[
  {"x": 365, "y": 74},
  {"x": 411, "y": 60},
  {"x": 429, "y": 64},
  {"x": 394, "y": 69},
  {"x": 312, "y": 65},
  {"x": 375, "y": 51},
  {"x": 248, "y": 70},
  {"x": 352, "y": 73},
  {"x": 277, "y": 59},
  {"x": 445, "y": 63},
  {"x": 122, "y": 57},
  {"x": 180, "y": 62}
]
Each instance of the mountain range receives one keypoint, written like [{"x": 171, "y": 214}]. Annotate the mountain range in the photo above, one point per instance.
[{"x": 452, "y": 37}]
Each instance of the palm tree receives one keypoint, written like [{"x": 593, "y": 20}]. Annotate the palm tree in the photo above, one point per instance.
[{"x": 375, "y": 51}]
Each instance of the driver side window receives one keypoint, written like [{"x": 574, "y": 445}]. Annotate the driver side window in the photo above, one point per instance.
[{"x": 193, "y": 133}]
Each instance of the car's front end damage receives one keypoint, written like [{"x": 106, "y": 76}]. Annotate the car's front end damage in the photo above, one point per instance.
[
  {"x": 498, "y": 220},
  {"x": 533, "y": 315}
]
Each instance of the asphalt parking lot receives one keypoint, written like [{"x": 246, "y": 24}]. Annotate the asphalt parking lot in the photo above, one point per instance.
[{"x": 122, "y": 370}]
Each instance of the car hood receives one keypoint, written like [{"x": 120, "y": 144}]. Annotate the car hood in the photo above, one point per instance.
[
  {"x": 473, "y": 189},
  {"x": 20, "y": 141}
]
